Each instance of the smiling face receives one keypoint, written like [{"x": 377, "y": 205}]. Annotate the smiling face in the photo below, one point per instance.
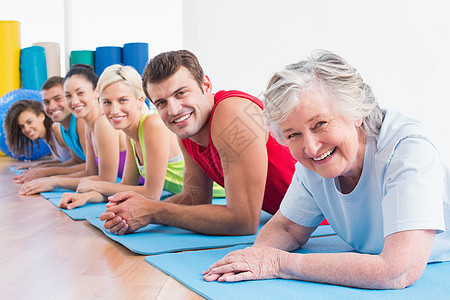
[
  {"x": 54, "y": 104},
  {"x": 182, "y": 105},
  {"x": 31, "y": 125},
  {"x": 120, "y": 105},
  {"x": 80, "y": 96},
  {"x": 322, "y": 140}
]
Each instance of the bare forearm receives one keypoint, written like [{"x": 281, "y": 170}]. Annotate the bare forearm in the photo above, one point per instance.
[
  {"x": 346, "y": 269},
  {"x": 70, "y": 163},
  {"x": 71, "y": 181},
  {"x": 67, "y": 182},
  {"x": 95, "y": 197},
  {"x": 111, "y": 188},
  {"x": 46, "y": 163},
  {"x": 207, "y": 219},
  {"x": 59, "y": 170},
  {"x": 78, "y": 174},
  {"x": 184, "y": 199},
  {"x": 272, "y": 236}
]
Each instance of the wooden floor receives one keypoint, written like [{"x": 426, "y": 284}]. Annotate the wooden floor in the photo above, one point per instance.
[{"x": 46, "y": 255}]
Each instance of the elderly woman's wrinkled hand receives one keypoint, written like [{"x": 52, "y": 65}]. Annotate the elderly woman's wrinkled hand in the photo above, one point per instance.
[{"x": 251, "y": 263}]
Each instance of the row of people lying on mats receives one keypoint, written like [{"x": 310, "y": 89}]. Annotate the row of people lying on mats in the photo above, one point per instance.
[
  {"x": 134, "y": 131},
  {"x": 380, "y": 178}
]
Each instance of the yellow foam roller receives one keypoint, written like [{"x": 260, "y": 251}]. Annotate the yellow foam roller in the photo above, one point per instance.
[{"x": 9, "y": 56}]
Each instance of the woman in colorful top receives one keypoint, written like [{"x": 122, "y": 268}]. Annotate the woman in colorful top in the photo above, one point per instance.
[{"x": 105, "y": 147}]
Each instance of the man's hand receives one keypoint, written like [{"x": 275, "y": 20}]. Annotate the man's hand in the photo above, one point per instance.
[{"x": 127, "y": 212}]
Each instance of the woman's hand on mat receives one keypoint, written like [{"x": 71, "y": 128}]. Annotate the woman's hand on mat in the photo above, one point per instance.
[
  {"x": 127, "y": 212},
  {"x": 29, "y": 175},
  {"x": 248, "y": 264},
  {"x": 20, "y": 178},
  {"x": 72, "y": 200},
  {"x": 37, "y": 186},
  {"x": 87, "y": 185}
]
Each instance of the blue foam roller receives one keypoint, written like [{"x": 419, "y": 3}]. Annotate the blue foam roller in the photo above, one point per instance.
[
  {"x": 135, "y": 55},
  {"x": 33, "y": 67},
  {"x": 106, "y": 56},
  {"x": 5, "y": 102}
]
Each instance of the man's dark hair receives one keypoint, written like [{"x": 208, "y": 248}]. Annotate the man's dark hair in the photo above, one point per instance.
[
  {"x": 52, "y": 82},
  {"x": 164, "y": 65}
]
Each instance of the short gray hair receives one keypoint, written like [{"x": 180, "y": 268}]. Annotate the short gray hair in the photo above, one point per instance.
[{"x": 329, "y": 74}]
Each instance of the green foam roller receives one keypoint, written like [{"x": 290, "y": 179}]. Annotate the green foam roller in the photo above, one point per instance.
[{"x": 82, "y": 57}]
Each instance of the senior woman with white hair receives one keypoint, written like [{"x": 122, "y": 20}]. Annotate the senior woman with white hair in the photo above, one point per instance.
[{"x": 380, "y": 178}]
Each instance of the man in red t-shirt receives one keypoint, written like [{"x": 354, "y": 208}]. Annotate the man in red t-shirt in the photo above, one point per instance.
[{"x": 223, "y": 137}]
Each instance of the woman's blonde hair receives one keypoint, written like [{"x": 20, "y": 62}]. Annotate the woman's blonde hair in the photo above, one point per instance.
[{"x": 126, "y": 74}]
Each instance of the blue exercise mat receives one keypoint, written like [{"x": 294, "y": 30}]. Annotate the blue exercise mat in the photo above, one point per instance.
[
  {"x": 78, "y": 213},
  {"x": 156, "y": 239},
  {"x": 89, "y": 210},
  {"x": 56, "y": 192},
  {"x": 187, "y": 268}
]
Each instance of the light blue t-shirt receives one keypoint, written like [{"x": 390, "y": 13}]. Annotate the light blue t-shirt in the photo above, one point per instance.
[{"x": 404, "y": 185}]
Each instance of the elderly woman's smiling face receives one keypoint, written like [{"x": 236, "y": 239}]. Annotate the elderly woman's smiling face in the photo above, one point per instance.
[{"x": 322, "y": 140}]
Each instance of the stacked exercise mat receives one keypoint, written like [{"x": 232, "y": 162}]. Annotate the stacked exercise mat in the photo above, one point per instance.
[
  {"x": 131, "y": 54},
  {"x": 24, "y": 70}
]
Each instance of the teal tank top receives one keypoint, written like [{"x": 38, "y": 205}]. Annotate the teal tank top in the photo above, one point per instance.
[{"x": 70, "y": 137}]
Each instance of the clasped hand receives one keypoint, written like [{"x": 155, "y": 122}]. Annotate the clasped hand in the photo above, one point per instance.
[{"x": 127, "y": 212}]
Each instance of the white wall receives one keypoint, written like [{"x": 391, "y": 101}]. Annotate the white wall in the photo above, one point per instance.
[
  {"x": 40, "y": 21},
  {"x": 400, "y": 47},
  {"x": 116, "y": 22},
  {"x": 99, "y": 23}
]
